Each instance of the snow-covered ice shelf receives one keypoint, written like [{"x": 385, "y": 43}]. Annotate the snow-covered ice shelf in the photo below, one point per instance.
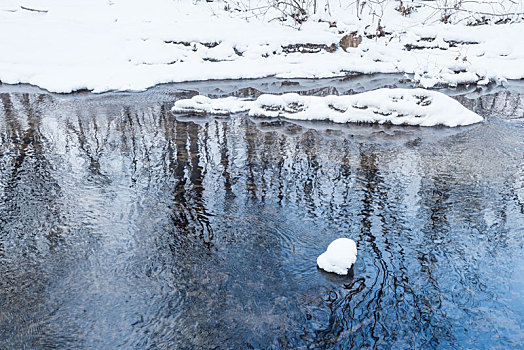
[{"x": 395, "y": 106}]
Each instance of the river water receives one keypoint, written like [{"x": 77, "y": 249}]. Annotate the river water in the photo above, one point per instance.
[{"x": 124, "y": 226}]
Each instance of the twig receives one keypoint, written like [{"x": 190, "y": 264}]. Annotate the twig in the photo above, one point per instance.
[
  {"x": 34, "y": 10},
  {"x": 475, "y": 12}
]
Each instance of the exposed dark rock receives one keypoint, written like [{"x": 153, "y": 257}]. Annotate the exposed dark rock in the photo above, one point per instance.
[
  {"x": 350, "y": 40},
  {"x": 247, "y": 92},
  {"x": 238, "y": 52}
]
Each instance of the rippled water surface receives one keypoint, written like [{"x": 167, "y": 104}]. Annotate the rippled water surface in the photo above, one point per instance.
[{"x": 122, "y": 225}]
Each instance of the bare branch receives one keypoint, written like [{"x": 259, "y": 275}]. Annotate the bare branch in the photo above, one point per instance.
[{"x": 33, "y": 10}]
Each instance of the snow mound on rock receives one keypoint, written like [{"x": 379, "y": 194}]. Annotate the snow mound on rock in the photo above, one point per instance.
[
  {"x": 204, "y": 105},
  {"x": 340, "y": 255},
  {"x": 418, "y": 107}
]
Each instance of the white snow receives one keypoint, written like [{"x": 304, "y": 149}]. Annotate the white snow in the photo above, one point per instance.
[
  {"x": 340, "y": 255},
  {"x": 395, "y": 106},
  {"x": 204, "y": 105},
  {"x": 105, "y": 45}
]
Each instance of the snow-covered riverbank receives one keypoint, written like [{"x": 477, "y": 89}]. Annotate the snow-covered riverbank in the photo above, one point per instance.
[{"x": 132, "y": 45}]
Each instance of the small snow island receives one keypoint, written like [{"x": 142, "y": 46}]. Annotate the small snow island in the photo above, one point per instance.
[
  {"x": 339, "y": 256},
  {"x": 417, "y": 107}
]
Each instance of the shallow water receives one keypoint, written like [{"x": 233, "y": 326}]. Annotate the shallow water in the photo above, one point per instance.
[{"x": 122, "y": 225}]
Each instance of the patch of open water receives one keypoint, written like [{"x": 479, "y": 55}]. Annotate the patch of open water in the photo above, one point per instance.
[{"x": 122, "y": 225}]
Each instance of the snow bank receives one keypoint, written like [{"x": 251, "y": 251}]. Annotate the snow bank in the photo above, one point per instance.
[
  {"x": 395, "y": 106},
  {"x": 105, "y": 45},
  {"x": 340, "y": 255}
]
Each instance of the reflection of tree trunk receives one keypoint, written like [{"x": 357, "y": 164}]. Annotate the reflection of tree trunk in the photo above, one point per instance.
[
  {"x": 169, "y": 134},
  {"x": 438, "y": 205},
  {"x": 280, "y": 165},
  {"x": 179, "y": 218},
  {"x": 249, "y": 135},
  {"x": 26, "y": 141},
  {"x": 129, "y": 127},
  {"x": 312, "y": 174},
  {"x": 372, "y": 188},
  {"x": 224, "y": 160},
  {"x": 189, "y": 208},
  {"x": 15, "y": 137},
  {"x": 196, "y": 179},
  {"x": 264, "y": 164},
  {"x": 344, "y": 176},
  {"x": 83, "y": 144}
]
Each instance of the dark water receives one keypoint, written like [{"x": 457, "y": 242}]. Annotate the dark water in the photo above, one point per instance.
[{"x": 124, "y": 226}]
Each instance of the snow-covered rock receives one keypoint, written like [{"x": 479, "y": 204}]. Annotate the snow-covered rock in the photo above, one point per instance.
[
  {"x": 340, "y": 255},
  {"x": 204, "y": 105},
  {"x": 395, "y": 106}
]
